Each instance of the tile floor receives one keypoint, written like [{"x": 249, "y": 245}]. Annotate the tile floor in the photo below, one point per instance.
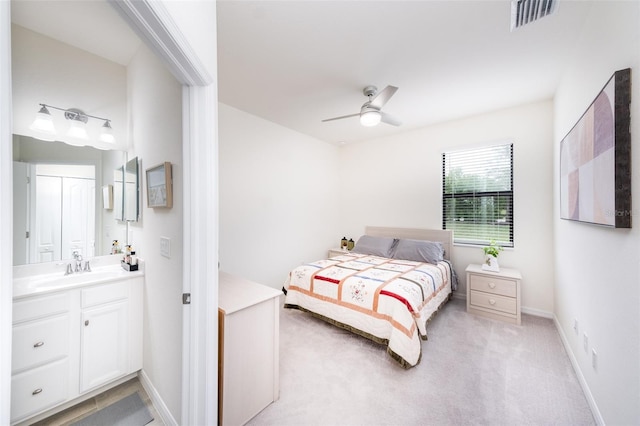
[{"x": 99, "y": 401}]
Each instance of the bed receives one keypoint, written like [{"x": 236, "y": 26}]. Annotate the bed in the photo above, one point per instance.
[{"x": 386, "y": 289}]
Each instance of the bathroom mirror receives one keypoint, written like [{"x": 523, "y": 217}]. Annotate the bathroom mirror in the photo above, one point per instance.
[
  {"x": 118, "y": 193},
  {"x": 101, "y": 227},
  {"x": 131, "y": 191}
]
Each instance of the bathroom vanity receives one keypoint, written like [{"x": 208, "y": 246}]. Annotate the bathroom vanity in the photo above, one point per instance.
[{"x": 73, "y": 336}]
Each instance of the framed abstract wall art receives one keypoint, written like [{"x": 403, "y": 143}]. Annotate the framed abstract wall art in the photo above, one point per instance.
[{"x": 595, "y": 159}]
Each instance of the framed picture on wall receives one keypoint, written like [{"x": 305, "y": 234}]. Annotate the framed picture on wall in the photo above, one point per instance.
[
  {"x": 595, "y": 159},
  {"x": 159, "y": 186}
]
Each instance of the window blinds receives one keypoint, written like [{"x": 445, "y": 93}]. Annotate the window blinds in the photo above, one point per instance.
[{"x": 477, "y": 194}]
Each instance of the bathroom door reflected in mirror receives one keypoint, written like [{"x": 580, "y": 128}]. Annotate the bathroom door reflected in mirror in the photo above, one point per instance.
[{"x": 59, "y": 201}]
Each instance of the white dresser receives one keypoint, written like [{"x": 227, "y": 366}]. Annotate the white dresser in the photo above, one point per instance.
[
  {"x": 494, "y": 294},
  {"x": 248, "y": 348}
]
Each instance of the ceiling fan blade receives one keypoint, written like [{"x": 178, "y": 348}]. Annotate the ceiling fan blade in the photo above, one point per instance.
[
  {"x": 383, "y": 96},
  {"x": 340, "y": 118},
  {"x": 389, "y": 119}
]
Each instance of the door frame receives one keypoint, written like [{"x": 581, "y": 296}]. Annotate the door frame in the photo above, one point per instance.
[
  {"x": 6, "y": 213},
  {"x": 154, "y": 24}
]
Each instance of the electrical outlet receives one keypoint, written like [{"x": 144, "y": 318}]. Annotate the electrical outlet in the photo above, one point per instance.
[
  {"x": 594, "y": 359},
  {"x": 575, "y": 326},
  {"x": 165, "y": 246},
  {"x": 585, "y": 342}
]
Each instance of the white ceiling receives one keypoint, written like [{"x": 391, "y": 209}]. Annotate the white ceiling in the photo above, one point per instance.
[
  {"x": 91, "y": 25},
  {"x": 298, "y": 62}
]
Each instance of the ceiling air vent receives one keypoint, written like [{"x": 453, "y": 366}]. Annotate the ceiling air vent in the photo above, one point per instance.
[{"x": 524, "y": 12}]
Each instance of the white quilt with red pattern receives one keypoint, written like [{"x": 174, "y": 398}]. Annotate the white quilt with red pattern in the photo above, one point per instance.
[{"x": 389, "y": 300}]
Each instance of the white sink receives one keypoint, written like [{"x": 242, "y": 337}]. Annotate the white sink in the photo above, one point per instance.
[{"x": 54, "y": 281}]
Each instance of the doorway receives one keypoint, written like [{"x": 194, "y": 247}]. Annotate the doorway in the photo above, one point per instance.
[{"x": 155, "y": 23}]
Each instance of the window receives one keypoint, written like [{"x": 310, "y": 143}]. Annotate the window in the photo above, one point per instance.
[{"x": 477, "y": 194}]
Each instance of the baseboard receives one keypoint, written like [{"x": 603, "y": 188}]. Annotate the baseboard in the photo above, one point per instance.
[
  {"x": 157, "y": 401},
  {"x": 458, "y": 295},
  {"x": 536, "y": 312},
  {"x": 576, "y": 367}
]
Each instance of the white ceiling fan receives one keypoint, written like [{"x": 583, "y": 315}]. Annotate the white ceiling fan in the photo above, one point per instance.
[{"x": 370, "y": 113}]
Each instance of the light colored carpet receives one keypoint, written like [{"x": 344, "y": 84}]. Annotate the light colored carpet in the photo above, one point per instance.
[{"x": 473, "y": 371}]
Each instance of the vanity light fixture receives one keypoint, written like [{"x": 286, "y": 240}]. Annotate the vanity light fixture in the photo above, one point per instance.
[
  {"x": 43, "y": 125},
  {"x": 106, "y": 134},
  {"x": 77, "y": 124},
  {"x": 45, "y": 130}
]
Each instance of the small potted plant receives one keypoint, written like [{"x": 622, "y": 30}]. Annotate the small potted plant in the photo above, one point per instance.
[{"x": 491, "y": 253}]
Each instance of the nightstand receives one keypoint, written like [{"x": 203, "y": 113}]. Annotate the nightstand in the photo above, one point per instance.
[
  {"x": 336, "y": 252},
  {"x": 494, "y": 294}
]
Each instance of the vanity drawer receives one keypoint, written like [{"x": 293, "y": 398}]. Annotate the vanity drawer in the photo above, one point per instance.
[
  {"x": 493, "y": 302},
  {"x": 36, "y": 343},
  {"x": 38, "y": 389},
  {"x": 493, "y": 285},
  {"x": 105, "y": 293},
  {"x": 40, "y": 307}
]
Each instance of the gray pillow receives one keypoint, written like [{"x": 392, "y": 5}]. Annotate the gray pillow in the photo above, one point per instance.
[
  {"x": 419, "y": 251},
  {"x": 375, "y": 246}
]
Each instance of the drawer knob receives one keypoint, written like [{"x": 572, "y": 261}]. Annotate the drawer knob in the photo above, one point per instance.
[
  {"x": 492, "y": 302},
  {"x": 39, "y": 344},
  {"x": 37, "y": 391},
  {"x": 86, "y": 323},
  {"x": 492, "y": 285}
]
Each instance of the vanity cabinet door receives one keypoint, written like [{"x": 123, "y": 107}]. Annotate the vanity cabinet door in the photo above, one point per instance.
[{"x": 104, "y": 345}]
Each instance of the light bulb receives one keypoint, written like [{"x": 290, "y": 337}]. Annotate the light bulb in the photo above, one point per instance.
[
  {"x": 106, "y": 134},
  {"x": 77, "y": 130},
  {"x": 43, "y": 125},
  {"x": 370, "y": 118}
]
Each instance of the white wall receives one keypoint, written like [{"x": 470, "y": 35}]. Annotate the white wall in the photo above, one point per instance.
[
  {"x": 278, "y": 197},
  {"x": 597, "y": 273},
  {"x": 155, "y": 117},
  {"x": 397, "y": 181},
  {"x": 50, "y": 72}
]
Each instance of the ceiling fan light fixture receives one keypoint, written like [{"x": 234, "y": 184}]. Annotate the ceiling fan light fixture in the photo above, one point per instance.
[{"x": 370, "y": 118}]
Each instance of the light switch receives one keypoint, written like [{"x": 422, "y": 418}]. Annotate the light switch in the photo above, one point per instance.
[{"x": 165, "y": 246}]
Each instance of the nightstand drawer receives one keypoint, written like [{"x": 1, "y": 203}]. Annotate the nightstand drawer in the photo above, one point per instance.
[
  {"x": 493, "y": 285},
  {"x": 493, "y": 302}
]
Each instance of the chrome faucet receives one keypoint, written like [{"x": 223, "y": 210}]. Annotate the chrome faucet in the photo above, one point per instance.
[
  {"x": 78, "y": 265},
  {"x": 78, "y": 257}
]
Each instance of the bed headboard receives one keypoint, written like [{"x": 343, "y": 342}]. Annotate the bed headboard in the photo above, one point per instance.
[{"x": 443, "y": 236}]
